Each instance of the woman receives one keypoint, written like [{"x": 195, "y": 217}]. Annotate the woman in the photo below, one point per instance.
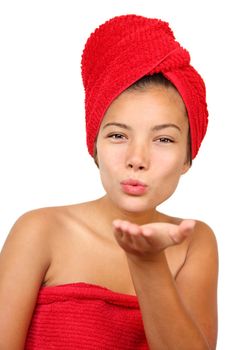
[{"x": 115, "y": 273}]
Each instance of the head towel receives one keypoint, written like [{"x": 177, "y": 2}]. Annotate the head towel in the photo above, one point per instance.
[{"x": 123, "y": 50}]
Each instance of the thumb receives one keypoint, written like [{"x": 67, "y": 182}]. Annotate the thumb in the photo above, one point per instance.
[{"x": 185, "y": 228}]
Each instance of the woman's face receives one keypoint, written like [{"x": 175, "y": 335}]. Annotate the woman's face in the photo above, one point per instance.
[{"x": 142, "y": 147}]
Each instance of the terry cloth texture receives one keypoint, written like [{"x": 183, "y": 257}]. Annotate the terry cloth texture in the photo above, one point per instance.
[
  {"x": 123, "y": 50},
  {"x": 85, "y": 316}
]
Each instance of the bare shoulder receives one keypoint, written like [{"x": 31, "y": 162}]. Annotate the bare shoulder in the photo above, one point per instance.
[
  {"x": 24, "y": 260},
  {"x": 29, "y": 228},
  {"x": 202, "y": 256},
  {"x": 203, "y": 238},
  {"x": 34, "y": 232}
]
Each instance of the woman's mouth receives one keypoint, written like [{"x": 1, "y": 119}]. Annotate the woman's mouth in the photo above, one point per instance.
[{"x": 133, "y": 187}]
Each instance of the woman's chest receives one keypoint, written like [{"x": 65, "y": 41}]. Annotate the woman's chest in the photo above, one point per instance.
[{"x": 85, "y": 256}]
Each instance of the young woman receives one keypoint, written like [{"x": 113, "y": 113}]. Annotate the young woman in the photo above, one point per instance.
[{"x": 115, "y": 273}]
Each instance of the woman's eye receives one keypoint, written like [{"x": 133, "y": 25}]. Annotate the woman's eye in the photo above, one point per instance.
[
  {"x": 116, "y": 136},
  {"x": 165, "y": 140}
]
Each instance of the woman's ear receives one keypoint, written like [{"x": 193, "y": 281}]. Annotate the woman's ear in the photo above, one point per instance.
[
  {"x": 188, "y": 161},
  {"x": 95, "y": 155},
  {"x": 96, "y": 161},
  {"x": 186, "y": 167}
]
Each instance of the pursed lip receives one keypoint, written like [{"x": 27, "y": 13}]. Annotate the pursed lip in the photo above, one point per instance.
[
  {"x": 134, "y": 187},
  {"x": 132, "y": 182}
]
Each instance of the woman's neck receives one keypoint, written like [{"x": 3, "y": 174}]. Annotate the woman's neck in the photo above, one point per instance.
[{"x": 112, "y": 212}]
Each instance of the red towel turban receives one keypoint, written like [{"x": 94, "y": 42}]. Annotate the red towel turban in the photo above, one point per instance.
[{"x": 123, "y": 50}]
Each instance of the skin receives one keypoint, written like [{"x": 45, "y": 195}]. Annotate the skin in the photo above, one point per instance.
[
  {"x": 155, "y": 157},
  {"x": 133, "y": 248},
  {"x": 145, "y": 138}
]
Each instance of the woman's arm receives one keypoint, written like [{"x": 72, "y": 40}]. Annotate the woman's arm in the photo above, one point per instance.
[
  {"x": 179, "y": 314},
  {"x": 23, "y": 263}
]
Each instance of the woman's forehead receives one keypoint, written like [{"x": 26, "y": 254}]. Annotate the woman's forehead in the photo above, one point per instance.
[{"x": 154, "y": 104}]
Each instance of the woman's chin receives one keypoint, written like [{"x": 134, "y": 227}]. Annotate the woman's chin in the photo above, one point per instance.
[{"x": 135, "y": 205}]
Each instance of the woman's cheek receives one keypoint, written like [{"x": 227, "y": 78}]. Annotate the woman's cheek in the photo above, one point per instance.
[
  {"x": 109, "y": 167},
  {"x": 171, "y": 160},
  {"x": 111, "y": 159},
  {"x": 168, "y": 169}
]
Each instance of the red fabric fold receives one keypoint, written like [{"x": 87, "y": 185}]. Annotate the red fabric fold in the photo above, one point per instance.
[
  {"x": 124, "y": 49},
  {"x": 85, "y": 316}
]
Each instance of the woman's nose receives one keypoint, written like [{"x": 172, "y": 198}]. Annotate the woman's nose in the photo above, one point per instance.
[{"x": 138, "y": 157}]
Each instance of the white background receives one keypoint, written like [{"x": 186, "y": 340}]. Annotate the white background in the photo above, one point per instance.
[{"x": 43, "y": 155}]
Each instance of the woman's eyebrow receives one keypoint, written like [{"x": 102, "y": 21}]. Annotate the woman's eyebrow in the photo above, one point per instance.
[
  {"x": 121, "y": 125},
  {"x": 155, "y": 128},
  {"x": 164, "y": 126}
]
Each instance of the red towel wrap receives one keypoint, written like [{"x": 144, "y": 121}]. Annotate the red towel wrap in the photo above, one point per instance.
[{"x": 85, "y": 316}]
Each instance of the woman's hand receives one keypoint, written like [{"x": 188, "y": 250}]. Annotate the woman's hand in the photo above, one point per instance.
[{"x": 146, "y": 241}]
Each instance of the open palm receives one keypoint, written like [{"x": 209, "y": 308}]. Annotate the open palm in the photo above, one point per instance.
[{"x": 150, "y": 239}]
